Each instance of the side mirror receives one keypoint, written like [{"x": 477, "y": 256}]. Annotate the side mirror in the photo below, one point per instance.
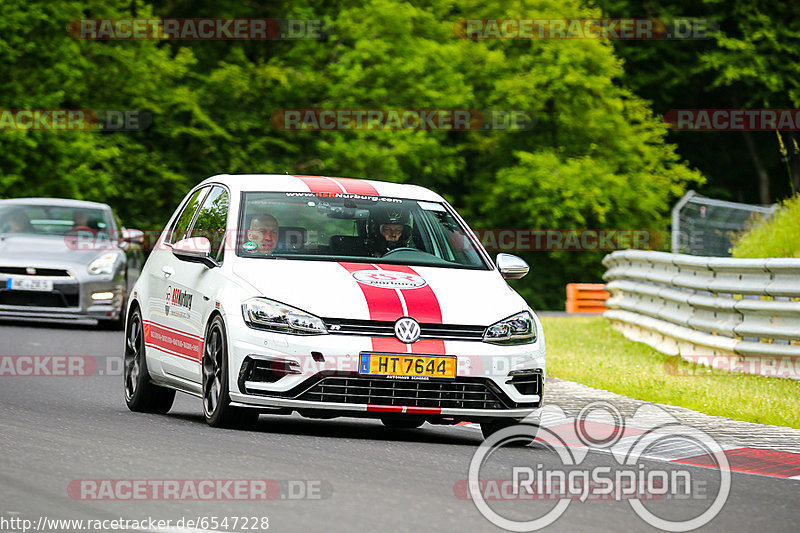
[
  {"x": 132, "y": 236},
  {"x": 511, "y": 266},
  {"x": 195, "y": 250}
]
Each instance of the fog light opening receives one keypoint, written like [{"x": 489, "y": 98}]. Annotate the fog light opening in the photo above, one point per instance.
[
  {"x": 102, "y": 296},
  {"x": 527, "y": 382}
]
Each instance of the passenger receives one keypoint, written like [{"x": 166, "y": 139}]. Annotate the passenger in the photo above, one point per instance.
[
  {"x": 19, "y": 223},
  {"x": 263, "y": 231}
]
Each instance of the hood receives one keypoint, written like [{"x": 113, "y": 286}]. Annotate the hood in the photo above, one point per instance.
[
  {"x": 46, "y": 251},
  {"x": 364, "y": 291}
]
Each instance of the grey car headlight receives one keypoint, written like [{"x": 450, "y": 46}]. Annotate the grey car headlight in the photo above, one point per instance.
[
  {"x": 261, "y": 313},
  {"x": 516, "y": 329},
  {"x": 103, "y": 264}
]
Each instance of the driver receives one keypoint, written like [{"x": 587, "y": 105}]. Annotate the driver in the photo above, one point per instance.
[
  {"x": 263, "y": 231},
  {"x": 389, "y": 229}
]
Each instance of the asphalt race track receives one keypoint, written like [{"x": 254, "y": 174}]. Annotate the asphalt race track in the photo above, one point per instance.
[{"x": 333, "y": 475}]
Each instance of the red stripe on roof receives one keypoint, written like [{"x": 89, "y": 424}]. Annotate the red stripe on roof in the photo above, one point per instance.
[
  {"x": 354, "y": 186},
  {"x": 318, "y": 184}
]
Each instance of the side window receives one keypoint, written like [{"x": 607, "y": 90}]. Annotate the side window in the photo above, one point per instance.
[
  {"x": 211, "y": 221},
  {"x": 181, "y": 224}
]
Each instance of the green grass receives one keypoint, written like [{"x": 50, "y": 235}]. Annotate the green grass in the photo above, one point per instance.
[
  {"x": 777, "y": 237},
  {"x": 589, "y": 351}
]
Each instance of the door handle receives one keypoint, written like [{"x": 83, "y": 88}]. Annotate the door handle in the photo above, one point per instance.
[{"x": 168, "y": 271}]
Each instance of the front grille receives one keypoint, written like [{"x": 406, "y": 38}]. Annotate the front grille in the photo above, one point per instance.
[
  {"x": 39, "y": 299},
  {"x": 45, "y": 272},
  {"x": 458, "y": 394},
  {"x": 386, "y": 329}
]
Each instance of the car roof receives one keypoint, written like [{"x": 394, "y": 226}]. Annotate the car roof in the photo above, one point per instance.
[
  {"x": 55, "y": 202},
  {"x": 295, "y": 183}
]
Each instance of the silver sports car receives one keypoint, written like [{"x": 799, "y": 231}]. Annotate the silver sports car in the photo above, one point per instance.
[{"x": 65, "y": 259}]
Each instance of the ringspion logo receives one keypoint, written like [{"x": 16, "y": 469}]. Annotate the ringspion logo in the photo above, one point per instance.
[{"x": 568, "y": 479}]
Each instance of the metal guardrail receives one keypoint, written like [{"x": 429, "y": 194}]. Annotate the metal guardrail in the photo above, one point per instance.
[{"x": 706, "y": 306}]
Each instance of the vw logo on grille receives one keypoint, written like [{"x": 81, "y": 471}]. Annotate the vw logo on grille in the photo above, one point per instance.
[
  {"x": 407, "y": 330},
  {"x": 30, "y": 271}
]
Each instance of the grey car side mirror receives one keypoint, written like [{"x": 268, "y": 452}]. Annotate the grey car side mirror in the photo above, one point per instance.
[{"x": 511, "y": 266}]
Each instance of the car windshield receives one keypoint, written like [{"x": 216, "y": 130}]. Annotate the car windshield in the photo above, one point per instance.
[
  {"x": 349, "y": 227},
  {"x": 51, "y": 220}
]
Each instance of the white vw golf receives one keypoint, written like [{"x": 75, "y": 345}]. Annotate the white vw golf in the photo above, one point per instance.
[{"x": 330, "y": 297}]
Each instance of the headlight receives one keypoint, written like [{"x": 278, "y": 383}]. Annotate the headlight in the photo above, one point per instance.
[
  {"x": 261, "y": 313},
  {"x": 103, "y": 264},
  {"x": 517, "y": 329}
]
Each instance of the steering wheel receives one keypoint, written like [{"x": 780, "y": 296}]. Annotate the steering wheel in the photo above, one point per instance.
[
  {"x": 82, "y": 229},
  {"x": 401, "y": 249}
]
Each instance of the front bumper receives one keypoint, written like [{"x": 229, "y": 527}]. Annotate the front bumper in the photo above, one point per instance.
[
  {"x": 70, "y": 299},
  {"x": 327, "y": 381}
]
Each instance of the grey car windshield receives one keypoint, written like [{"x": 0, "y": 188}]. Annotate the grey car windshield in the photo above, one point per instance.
[
  {"x": 51, "y": 220},
  {"x": 349, "y": 227}
]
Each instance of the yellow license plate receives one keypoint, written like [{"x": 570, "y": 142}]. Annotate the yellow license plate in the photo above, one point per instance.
[{"x": 429, "y": 366}]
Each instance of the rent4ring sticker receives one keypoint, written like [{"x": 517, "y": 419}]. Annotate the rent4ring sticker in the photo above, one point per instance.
[{"x": 389, "y": 280}]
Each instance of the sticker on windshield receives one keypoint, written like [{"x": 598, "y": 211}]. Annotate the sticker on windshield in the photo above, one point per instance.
[
  {"x": 249, "y": 246},
  {"x": 431, "y": 206},
  {"x": 389, "y": 280}
]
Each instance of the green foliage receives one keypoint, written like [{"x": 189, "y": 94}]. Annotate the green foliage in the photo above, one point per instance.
[
  {"x": 778, "y": 236},
  {"x": 753, "y": 62},
  {"x": 596, "y": 157}
]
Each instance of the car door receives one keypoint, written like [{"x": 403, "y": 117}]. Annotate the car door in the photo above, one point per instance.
[
  {"x": 170, "y": 308},
  {"x": 192, "y": 285}
]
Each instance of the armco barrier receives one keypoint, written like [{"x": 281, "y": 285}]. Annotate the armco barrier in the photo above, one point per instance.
[
  {"x": 586, "y": 297},
  {"x": 706, "y": 306}
]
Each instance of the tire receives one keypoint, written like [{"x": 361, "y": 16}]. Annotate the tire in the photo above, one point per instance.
[
  {"x": 141, "y": 395},
  {"x": 117, "y": 324},
  {"x": 489, "y": 428},
  {"x": 402, "y": 423},
  {"x": 217, "y": 407}
]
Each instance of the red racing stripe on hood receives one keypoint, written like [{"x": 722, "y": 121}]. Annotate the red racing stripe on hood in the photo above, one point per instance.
[
  {"x": 383, "y": 304},
  {"x": 422, "y": 303},
  {"x": 423, "y": 306}
]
